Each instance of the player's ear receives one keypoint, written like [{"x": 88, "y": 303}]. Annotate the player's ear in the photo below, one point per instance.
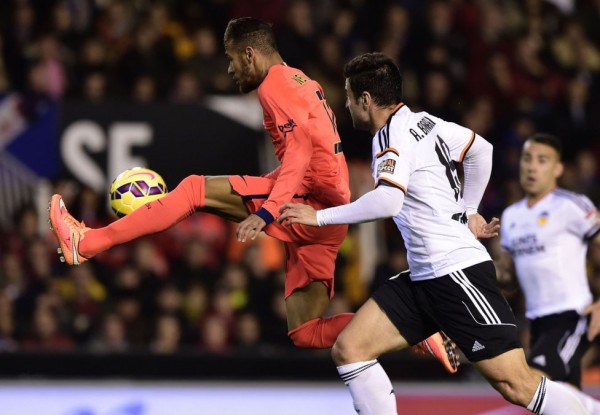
[
  {"x": 559, "y": 170},
  {"x": 365, "y": 99},
  {"x": 249, "y": 54}
]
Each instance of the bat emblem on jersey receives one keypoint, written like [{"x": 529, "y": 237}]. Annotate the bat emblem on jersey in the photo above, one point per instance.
[
  {"x": 543, "y": 218},
  {"x": 288, "y": 127},
  {"x": 386, "y": 166}
]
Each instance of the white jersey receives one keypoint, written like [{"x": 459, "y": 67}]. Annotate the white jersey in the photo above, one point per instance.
[
  {"x": 548, "y": 245},
  {"x": 416, "y": 152}
]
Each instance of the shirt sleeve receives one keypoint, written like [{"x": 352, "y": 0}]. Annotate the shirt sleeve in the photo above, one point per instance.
[
  {"x": 395, "y": 161},
  {"x": 477, "y": 168},
  {"x": 290, "y": 113},
  {"x": 458, "y": 138},
  {"x": 585, "y": 221},
  {"x": 273, "y": 174},
  {"x": 504, "y": 239},
  {"x": 380, "y": 203}
]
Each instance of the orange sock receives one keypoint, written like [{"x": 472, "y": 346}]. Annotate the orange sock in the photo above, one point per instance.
[
  {"x": 154, "y": 217},
  {"x": 320, "y": 333}
]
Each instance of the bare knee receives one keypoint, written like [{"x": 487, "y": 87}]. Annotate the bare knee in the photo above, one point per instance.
[
  {"x": 517, "y": 389},
  {"x": 345, "y": 352}
]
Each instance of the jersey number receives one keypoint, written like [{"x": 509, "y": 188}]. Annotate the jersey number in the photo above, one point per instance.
[
  {"x": 443, "y": 152},
  {"x": 328, "y": 110}
]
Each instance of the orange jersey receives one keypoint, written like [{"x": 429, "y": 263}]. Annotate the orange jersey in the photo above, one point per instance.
[{"x": 304, "y": 133}]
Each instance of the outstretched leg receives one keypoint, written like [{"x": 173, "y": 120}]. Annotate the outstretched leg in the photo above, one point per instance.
[
  {"x": 194, "y": 193},
  {"x": 510, "y": 375}
]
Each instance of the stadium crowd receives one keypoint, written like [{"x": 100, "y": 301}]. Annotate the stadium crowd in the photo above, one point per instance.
[{"x": 504, "y": 69}]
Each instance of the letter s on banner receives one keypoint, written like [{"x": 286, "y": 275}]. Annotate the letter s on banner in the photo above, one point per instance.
[
  {"x": 78, "y": 137},
  {"x": 122, "y": 137}
]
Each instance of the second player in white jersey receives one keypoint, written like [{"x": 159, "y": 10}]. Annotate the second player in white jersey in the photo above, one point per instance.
[
  {"x": 416, "y": 184},
  {"x": 417, "y": 153},
  {"x": 548, "y": 244}
]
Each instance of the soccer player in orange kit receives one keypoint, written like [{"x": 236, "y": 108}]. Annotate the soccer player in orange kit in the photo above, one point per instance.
[{"x": 312, "y": 170}]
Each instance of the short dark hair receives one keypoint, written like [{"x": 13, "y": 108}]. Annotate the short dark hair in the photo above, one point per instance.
[
  {"x": 377, "y": 74},
  {"x": 549, "y": 140},
  {"x": 248, "y": 31}
]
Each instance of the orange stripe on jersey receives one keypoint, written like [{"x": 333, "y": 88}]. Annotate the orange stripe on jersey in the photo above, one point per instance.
[
  {"x": 393, "y": 183},
  {"x": 467, "y": 147},
  {"x": 397, "y": 107},
  {"x": 387, "y": 150}
]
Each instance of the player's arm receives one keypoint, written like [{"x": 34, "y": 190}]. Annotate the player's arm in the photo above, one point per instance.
[
  {"x": 477, "y": 168},
  {"x": 382, "y": 202},
  {"x": 504, "y": 263},
  {"x": 505, "y": 270},
  {"x": 392, "y": 172},
  {"x": 593, "y": 310},
  {"x": 290, "y": 113}
]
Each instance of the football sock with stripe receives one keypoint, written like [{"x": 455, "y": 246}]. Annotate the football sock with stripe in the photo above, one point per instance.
[
  {"x": 320, "y": 333},
  {"x": 553, "y": 398},
  {"x": 154, "y": 217},
  {"x": 590, "y": 404},
  {"x": 370, "y": 387}
]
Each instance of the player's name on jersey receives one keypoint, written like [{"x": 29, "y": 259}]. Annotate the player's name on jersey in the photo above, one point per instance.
[{"x": 425, "y": 124}]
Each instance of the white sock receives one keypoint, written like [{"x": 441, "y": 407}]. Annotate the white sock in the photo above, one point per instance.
[
  {"x": 590, "y": 404},
  {"x": 552, "y": 398},
  {"x": 370, "y": 387}
]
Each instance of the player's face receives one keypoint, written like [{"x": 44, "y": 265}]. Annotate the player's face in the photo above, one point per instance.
[
  {"x": 540, "y": 167},
  {"x": 360, "y": 118},
  {"x": 241, "y": 69}
]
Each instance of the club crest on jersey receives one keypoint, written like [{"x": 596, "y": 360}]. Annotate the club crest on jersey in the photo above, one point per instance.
[
  {"x": 386, "y": 166},
  {"x": 543, "y": 218},
  {"x": 288, "y": 127}
]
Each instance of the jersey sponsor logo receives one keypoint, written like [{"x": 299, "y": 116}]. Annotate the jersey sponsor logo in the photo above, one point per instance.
[
  {"x": 543, "y": 218},
  {"x": 386, "y": 166},
  {"x": 526, "y": 245},
  {"x": 288, "y": 127}
]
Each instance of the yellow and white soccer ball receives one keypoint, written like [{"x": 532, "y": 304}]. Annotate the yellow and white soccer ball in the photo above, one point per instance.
[{"x": 134, "y": 188}]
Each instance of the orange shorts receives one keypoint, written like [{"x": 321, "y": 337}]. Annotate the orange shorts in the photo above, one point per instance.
[{"x": 310, "y": 251}]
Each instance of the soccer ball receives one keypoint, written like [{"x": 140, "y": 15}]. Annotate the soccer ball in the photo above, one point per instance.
[{"x": 134, "y": 188}]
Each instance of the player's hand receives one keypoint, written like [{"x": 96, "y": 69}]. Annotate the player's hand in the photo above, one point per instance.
[
  {"x": 297, "y": 213},
  {"x": 594, "y": 327},
  {"x": 482, "y": 229},
  {"x": 250, "y": 228}
]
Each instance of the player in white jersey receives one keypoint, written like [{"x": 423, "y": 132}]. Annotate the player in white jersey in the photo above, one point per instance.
[
  {"x": 452, "y": 284},
  {"x": 545, "y": 238}
]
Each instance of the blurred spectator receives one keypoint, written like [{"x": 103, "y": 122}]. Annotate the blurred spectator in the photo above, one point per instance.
[
  {"x": 247, "y": 334},
  {"x": 215, "y": 335},
  {"x": 111, "y": 337},
  {"x": 208, "y": 64},
  {"x": 7, "y": 341},
  {"x": 94, "y": 87},
  {"x": 297, "y": 36},
  {"x": 137, "y": 327},
  {"x": 187, "y": 90},
  {"x": 167, "y": 335},
  {"x": 45, "y": 334},
  {"x": 84, "y": 295}
]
